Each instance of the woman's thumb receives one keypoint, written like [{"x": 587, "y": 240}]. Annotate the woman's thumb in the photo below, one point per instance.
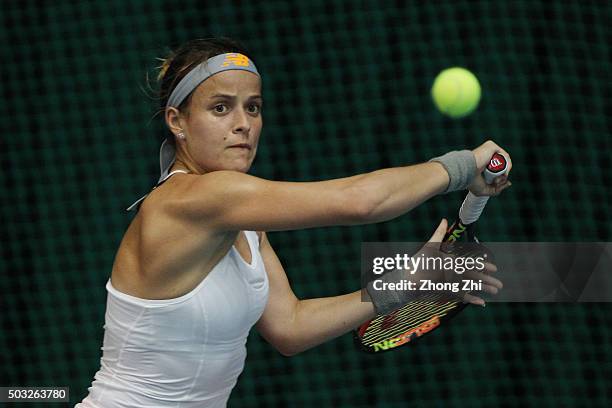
[{"x": 439, "y": 233}]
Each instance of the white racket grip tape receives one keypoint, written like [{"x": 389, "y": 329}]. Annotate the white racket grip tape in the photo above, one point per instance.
[{"x": 472, "y": 206}]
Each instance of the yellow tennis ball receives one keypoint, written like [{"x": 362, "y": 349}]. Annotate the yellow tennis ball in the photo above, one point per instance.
[{"x": 456, "y": 92}]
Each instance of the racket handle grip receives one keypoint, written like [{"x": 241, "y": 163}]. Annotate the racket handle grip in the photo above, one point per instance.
[{"x": 472, "y": 206}]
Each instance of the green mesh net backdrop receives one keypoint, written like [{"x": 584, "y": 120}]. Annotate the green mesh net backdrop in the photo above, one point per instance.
[{"x": 346, "y": 89}]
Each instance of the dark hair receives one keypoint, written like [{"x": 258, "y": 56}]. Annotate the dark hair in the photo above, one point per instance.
[{"x": 182, "y": 60}]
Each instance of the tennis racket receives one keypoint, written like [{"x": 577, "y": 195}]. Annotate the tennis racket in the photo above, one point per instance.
[{"x": 415, "y": 319}]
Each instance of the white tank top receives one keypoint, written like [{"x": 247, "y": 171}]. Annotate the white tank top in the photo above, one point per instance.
[{"x": 182, "y": 352}]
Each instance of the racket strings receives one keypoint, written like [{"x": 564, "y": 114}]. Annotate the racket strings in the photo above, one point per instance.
[{"x": 407, "y": 318}]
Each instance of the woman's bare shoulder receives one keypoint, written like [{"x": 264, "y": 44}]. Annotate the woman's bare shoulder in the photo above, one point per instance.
[{"x": 160, "y": 250}]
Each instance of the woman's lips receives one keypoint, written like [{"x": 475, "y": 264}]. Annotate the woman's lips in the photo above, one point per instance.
[{"x": 242, "y": 146}]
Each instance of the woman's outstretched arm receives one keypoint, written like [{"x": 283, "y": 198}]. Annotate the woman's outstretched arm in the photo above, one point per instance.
[{"x": 234, "y": 201}]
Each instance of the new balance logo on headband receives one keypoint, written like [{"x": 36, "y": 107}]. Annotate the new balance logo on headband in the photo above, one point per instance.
[{"x": 236, "y": 59}]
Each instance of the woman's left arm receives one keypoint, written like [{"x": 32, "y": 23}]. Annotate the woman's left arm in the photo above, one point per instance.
[{"x": 292, "y": 325}]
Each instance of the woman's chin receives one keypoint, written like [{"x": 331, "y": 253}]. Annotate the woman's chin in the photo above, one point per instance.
[{"x": 241, "y": 166}]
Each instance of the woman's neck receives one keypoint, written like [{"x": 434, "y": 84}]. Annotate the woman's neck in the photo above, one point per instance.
[{"x": 180, "y": 165}]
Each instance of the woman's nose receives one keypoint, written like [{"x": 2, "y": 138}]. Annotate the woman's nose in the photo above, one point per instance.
[{"x": 242, "y": 124}]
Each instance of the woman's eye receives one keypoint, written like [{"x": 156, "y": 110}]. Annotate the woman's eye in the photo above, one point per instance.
[
  {"x": 254, "y": 108},
  {"x": 220, "y": 108}
]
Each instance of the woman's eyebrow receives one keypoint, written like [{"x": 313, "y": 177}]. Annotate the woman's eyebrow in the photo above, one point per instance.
[{"x": 227, "y": 96}]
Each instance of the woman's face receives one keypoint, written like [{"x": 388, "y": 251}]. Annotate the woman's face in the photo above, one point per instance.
[{"x": 224, "y": 122}]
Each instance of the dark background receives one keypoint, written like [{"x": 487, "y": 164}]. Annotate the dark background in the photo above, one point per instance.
[{"x": 346, "y": 88}]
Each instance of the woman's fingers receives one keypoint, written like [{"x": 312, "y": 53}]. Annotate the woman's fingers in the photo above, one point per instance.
[
  {"x": 486, "y": 279},
  {"x": 489, "y": 289},
  {"x": 480, "y": 188},
  {"x": 438, "y": 234},
  {"x": 489, "y": 268},
  {"x": 508, "y": 160},
  {"x": 501, "y": 186},
  {"x": 475, "y": 300}
]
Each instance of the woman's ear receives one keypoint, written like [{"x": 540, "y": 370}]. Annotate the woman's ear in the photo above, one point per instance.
[{"x": 174, "y": 121}]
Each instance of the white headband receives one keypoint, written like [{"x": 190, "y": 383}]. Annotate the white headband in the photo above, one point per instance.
[{"x": 216, "y": 64}]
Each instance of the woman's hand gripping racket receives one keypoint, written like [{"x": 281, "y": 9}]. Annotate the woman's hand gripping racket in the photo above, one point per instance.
[{"x": 416, "y": 318}]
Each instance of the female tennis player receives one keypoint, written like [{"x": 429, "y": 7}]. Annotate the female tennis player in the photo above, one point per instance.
[{"x": 195, "y": 270}]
